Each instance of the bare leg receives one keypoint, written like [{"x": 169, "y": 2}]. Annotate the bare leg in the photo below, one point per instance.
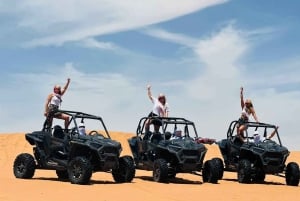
[
  {"x": 66, "y": 118},
  {"x": 147, "y": 125},
  {"x": 240, "y": 132}
]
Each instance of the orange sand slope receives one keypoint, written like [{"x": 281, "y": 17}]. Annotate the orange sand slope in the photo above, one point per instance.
[{"x": 45, "y": 185}]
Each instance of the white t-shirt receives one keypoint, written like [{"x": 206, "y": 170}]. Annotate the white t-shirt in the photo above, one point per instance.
[
  {"x": 157, "y": 107},
  {"x": 246, "y": 113},
  {"x": 56, "y": 99}
]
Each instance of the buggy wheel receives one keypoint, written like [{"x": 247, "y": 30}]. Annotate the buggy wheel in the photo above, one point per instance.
[
  {"x": 292, "y": 174},
  {"x": 220, "y": 166},
  {"x": 160, "y": 170},
  {"x": 210, "y": 172},
  {"x": 244, "y": 171},
  {"x": 259, "y": 176},
  {"x": 172, "y": 174},
  {"x": 126, "y": 170},
  {"x": 62, "y": 174},
  {"x": 79, "y": 170},
  {"x": 24, "y": 166}
]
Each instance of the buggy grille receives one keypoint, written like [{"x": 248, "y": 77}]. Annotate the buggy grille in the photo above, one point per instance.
[
  {"x": 274, "y": 155},
  {"x": 274, "y": 158},
  {"x": 190, "y": 152},
  {"x": 112, "y": 150}
]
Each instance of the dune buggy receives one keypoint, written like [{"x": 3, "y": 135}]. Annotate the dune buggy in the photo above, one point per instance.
[
  {"x": 166, "y": 154},
  {"x": 74, "y": 155},
  {"x": 257, "y": 155}
]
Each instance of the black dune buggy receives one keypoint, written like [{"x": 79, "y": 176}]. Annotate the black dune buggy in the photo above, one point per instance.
[
  {"x": 257, "y": 155},
  {"x": 75, "y": 156},
  {"x": 167, "y": 154}
]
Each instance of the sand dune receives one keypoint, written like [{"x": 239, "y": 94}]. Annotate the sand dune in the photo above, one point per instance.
[{"x": 45, "y": 185}]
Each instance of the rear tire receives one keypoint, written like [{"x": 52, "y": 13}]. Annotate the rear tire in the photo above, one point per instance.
[
  {"x": 292, "y": 174},
  {"x": 126, "y": 170},
  {"x": 62, "y": 174},
  {"x": 259, "y": 176},
  {"x": 210, "y": 172},
  {"x": 24, "y": 166},
  {"x": 244, "y": 171},
  {"x": 220, "y": 166},
  {"x": 79, "y": 170},
  {"x": 160, "y": 170}
]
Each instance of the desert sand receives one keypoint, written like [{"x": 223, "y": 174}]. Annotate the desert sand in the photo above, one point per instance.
[{"x": 188, "y": 187}]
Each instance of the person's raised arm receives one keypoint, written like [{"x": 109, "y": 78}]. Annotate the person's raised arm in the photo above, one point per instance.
[
  {"x": 65, "y": 87},
  {"x": 149, "y": 92},
  {"x": 242, "y": 97}
]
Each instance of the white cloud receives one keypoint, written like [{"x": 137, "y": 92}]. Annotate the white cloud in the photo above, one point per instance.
[
  {"x": 171, "y": 37},
  {"x": 220, "y": 57},
  {"x": 93, "y": 43},
  {"x": 55, "y": 23}
]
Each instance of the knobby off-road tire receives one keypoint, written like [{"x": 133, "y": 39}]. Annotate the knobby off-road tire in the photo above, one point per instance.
[
  {"x": 259, "y": 176},
  {"x": 220, "y": 166},
  {"x": 24, "y": 166},
  {"x": 80, "y": 170},
  {"x": 292, "y": 174},
  {"x": 210, "y": 172},
  {"x": 160, "y": 170},
  {"x": 126, "y": 170},
  {"x": 171, "y": 174},
  {"x": 62, "y": 174},
  {"x": 244, "y": 171}
]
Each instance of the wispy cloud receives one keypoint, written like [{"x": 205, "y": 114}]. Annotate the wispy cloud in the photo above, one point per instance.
[
  {"x": 170, "y": 37},
  {"x": 93, "y": 43},
  {"x": 53, "y": 23}
]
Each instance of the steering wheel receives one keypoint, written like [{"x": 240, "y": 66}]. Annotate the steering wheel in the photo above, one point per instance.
[
  {"x": 74, "y": 131},
  {"x": 93, "y": 132}
]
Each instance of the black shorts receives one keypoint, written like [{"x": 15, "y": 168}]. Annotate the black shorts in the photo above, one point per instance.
[
  {"x": 53, "y": 111},
  {"x": 151, "y": 114},
  {"x": 242, "y": 121},
  {"x": 154, "y": 121}
]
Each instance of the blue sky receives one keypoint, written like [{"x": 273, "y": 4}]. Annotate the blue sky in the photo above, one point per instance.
[{"x": 197, "y": 52}]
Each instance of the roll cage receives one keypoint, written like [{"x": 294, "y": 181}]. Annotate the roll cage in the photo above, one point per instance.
[{"x": 231, "y": 133}]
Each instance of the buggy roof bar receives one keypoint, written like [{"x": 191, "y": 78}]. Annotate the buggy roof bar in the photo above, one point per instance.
[
  {"x": 170, "y": 120},
  {"x": 77, "y": 114},
  {"x": 255, "y": 124}
]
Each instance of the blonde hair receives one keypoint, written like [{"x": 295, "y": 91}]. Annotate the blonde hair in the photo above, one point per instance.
[
  {"x": 161, "y": 95},
  {"x": 249, "y": 101},
  {"x": 57, "y": 87}
]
